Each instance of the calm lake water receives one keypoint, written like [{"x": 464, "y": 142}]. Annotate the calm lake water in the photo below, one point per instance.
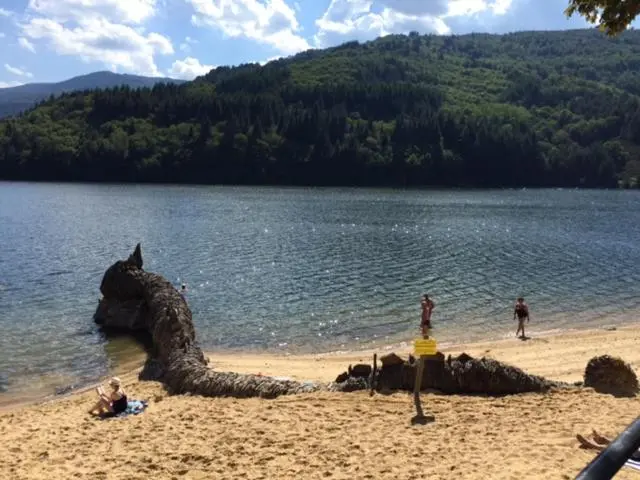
[{"x": 306, "y": 269}]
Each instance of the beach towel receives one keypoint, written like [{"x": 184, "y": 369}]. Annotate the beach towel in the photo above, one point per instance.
[
  {"x": 635, "y": 464},
  {"x": 134, "y": 407}
]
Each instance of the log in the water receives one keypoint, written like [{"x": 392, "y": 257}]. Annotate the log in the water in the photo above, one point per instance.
[{"x": 134, "y": 299}]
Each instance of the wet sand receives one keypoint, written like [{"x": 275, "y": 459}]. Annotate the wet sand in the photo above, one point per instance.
[{"x": 325, "y": 435}]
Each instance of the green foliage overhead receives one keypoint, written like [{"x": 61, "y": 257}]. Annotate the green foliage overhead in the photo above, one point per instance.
[
  {"x": 524, "y": 109},
  {"x": 612, "y": 16}
]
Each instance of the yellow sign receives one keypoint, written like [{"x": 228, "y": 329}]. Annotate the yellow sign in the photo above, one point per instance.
[{"x": 425, "y": 346}]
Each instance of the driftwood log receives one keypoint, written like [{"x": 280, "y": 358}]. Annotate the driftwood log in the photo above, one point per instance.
[
  {"x": 453, "y": 375},
  {"x": 138, "y": 301},
  {"x": 607, "y": 374},
  {"x": 134, "y": 300}
]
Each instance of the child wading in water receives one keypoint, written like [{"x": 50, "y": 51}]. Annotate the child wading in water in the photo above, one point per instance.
[
  {"x": 425, "y": 322},
  {"x": 522, "y": 312}
]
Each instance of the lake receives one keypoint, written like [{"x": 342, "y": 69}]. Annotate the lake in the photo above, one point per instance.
[{"x": 303, "y": 270}]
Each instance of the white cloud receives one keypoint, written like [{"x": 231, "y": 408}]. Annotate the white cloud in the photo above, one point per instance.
[
  {"x": 363, "y": 20},
  {"x": 2, "y": 35},
  {"x": 189, "y": 68},
  {"x": 473, "y": 7},
  {"x": 501, "y": 7},
  {"x": 125, "y": 11},
  {"x": 26, "y": 44},
  {"x": 21, "y": 72},
  {"x": 110, "y": 32},
  {"x": 5, "y": 13},
  {"x": 272, "y": 22},
  {"x": 97, "y": 39},
  {"x": 10, "y": 84},
  {"x": 186, "y": 45}
]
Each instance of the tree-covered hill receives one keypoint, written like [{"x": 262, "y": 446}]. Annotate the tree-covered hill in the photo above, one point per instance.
[{"x": 524, "y": 109}]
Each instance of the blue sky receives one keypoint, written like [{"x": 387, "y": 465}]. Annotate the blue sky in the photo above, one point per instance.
[{"x": 52, "y": 40}]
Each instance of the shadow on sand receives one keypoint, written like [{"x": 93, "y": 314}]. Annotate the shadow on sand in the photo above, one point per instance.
[{"x": 422, "y": 419}]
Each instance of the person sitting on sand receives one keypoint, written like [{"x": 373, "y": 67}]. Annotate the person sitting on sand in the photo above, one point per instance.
[
  {"x": 115, "y": 402},
  {"x": 522, "y": 312},
  {"x": 600, "y": 442},
  {"x": 425, "y": 322}
]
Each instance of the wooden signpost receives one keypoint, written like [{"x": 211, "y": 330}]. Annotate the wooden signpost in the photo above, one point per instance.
[{"x": 423, "y": 347}]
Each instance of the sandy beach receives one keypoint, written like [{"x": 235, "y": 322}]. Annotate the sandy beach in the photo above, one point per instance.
[{"x": 332, "y": 435}]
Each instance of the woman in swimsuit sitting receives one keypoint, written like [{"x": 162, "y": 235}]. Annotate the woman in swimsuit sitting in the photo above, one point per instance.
[{"x": 115, "y": 402}]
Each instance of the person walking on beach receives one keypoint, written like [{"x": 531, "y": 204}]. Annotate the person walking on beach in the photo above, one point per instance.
[
  {"x": 427, "y": 308},
  {"x": 522, "y": 312}
]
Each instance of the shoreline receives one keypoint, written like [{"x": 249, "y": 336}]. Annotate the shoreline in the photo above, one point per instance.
[
  {"x": 132, "y": 356},
  {"x": 333, "y": 435},
  {"x": 326, "y": 366},
  {"x": 582, "y": 344},
  {"x": 401, "y": 187}
]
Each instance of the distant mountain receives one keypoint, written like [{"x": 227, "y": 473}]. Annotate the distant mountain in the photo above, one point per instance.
[{"x": 14, "y": 100}]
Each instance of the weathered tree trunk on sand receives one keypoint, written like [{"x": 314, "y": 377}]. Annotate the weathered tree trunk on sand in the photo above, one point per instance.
[
  {"x": 137, "y": 300},
  {"x": 464, "y": 375},
  {"x": 454, "y": 375}
]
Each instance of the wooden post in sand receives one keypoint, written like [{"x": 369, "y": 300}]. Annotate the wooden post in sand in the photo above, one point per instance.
[
  {"x": 416, "y": 387},
  {"x": 423, "y": 347},
  {"x": 373, "y": 374}
]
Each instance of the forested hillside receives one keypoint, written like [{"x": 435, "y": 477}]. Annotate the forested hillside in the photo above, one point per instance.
[
  {"x": 14, "y": 100},
  {"x": 524, "y": 109}
]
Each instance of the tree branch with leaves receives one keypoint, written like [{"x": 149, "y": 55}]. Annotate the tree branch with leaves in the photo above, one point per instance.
[{"x": 612, "y": 16}]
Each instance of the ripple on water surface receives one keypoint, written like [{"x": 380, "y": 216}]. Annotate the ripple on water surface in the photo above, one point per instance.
[{"x": 305, "y": 269}]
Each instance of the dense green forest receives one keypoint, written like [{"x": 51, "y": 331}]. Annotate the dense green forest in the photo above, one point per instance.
[
  {"x": 14, "y": 100},
  {"x": 523, "y": 109}
]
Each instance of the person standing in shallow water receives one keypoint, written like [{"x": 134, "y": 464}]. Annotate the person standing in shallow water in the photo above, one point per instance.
[
  {"x": 183, "y": 291},
  {"x": 522, "y": 312},
  {"x": 427, "y": 308}
]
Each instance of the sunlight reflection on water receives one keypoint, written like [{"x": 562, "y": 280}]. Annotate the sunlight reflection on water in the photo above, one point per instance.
[{"x": 303, "y": 270}]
